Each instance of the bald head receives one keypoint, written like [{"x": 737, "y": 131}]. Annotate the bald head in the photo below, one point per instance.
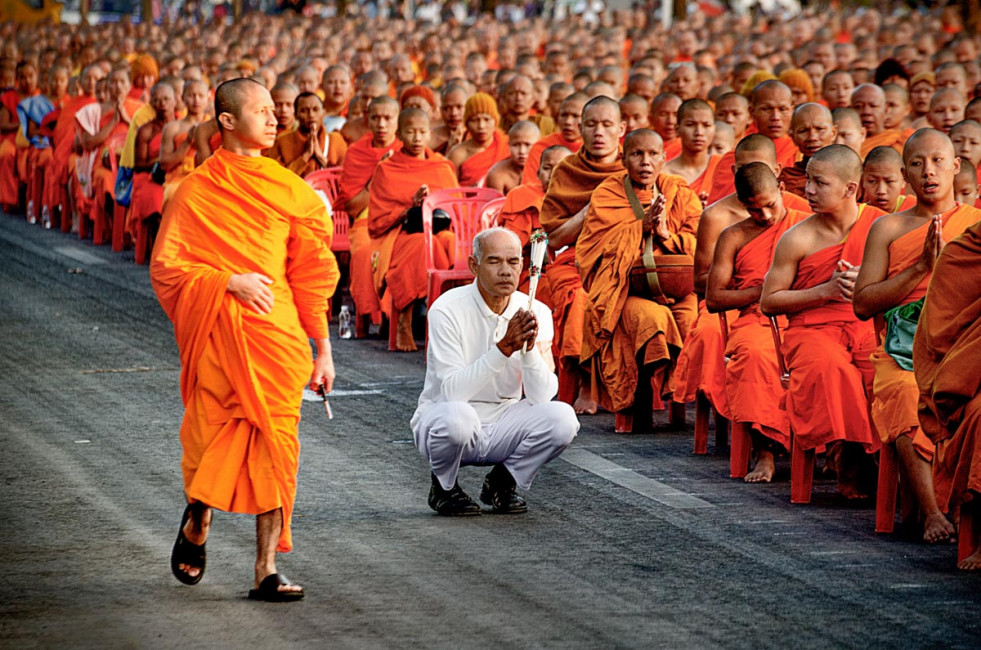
[
  {"x": 812, "y": 128},
  {"x": 640, "y": 138},
  {"x": 927, "y": 140},
  {"x": 966, "y": 138},
  {"x": 841, "y": 160},
  {"x": 883, "y": 156},
  {"x": 231, "y": 96},
  {"x": 870, "y": 102},
  {"x": 755, "y": 179},
  {"x": 946, "y": 109},
  {"x": 772, "y": 105}
]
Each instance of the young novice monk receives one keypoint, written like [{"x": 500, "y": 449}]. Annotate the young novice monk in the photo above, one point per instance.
[
  {"x": 506, "y": 174},
  {"x": 966, "y": 136},
  {"x": 485, "y": 144},
  {"x": 696, "y": 129},
  {"x": 883, "y": 182},
  {"x": 966, "y": 187},
  {"x": 724, "y": 140}
]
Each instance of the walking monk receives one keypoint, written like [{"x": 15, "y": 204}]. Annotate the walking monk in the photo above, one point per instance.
[
  {"x": 629, "y": 339},
  {"x": 826, "y": 347},
  {"x": 359, "y": 164},
  {"x": 899, "y": 257},
  {"x": 562, "y": 215},
  {"x": 946, "y": 362},
  {"x": 397, "y": 190},
  {"x": 243, "y": 268},
  {"x": 742, "y": 257},
  {"x": 485, "y": 143}
]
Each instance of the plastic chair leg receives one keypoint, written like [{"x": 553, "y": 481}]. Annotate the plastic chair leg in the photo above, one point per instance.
[
  {"x": 801, "y": 473},
  {"x": 740, "y": 450},
  {"x": 721, "y": 430},
  {"x": 702, "y": 408},
  {"x": 888, "y": 486},
  {"x": 119, "y": 228},
  {"x": 677, "y": 415},
  {"x": 623, "y": 421}
]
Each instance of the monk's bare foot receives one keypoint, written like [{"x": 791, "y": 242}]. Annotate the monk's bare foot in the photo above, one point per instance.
[
  {"x": 972, "y": 562},
  {"x": 937, "y": 528},
  {"x": 584, "y": 404},
  {"x": 404, "y": 341},
  {"x": 851, "y": 492},
  {"x": 763, "y": 469},
  {"x": 196, "y": 532}
]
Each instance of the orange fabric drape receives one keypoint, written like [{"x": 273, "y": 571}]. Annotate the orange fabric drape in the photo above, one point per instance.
[
  {"x": 290, "y": 146},
  {"x": 723, "y": 183},
  {"x": 530, "y": 172},
  {"x": 895, "y": 138},
  {"x": 475, "y": 168}
]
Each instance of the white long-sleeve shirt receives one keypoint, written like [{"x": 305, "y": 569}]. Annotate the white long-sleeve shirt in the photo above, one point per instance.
[{"x": 464, "y": 363}]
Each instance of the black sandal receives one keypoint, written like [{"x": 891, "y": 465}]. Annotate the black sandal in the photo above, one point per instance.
[
  {"x": 187, "y": 553},
  {"x": 269, "y": 592}
]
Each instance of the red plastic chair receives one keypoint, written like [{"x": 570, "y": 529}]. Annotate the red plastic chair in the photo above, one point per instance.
[
  {"x": 328, "y": 182},
  {"x": 465, "y": 207},
  {"x": 491, "y": 212},
  {"x": 887, "y": 486},
  {"x": 801, "y": 461}
]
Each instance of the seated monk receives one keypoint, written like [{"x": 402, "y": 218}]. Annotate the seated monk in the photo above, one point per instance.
[
  {"x": 148, "y": 191},
  {"x": 742, "y": 257},
  {"x": 374, "y": 85},
  {"x": 733, "y": 109},
  {"x": 947, "y": 108},
  {"x": 945, "y": 361},
  {"x": 396, "y": 192},
  {"x": 421, "y": 97},
  {"x": 568, "y": 135},
  {"x": 284, "y": 97},
  {"x": 353, "y": 196},
  {"x": 520, "y": 214},
  {"x": 899, "y": 257},
  {"x": 696, "y": 129},
  {"x": 825, "y": 345},
  {"x": 811, "y": 128},
  {"x": 506, "y": 174},
  {"x": 517, "y": 100},
  {"x": 452, "y": 131},
  {"x": 38, "y": 116},
  {"x": 664, "y": 121},
  {"x": 636, "y": 112},
  {"x": 966, "y": 187},
  {"x": 870, "y": 102},
  {"x": 771, "y": 106},
  {"x": 724, "y": 139},
  {"x": 336, "y": 86},
  {"x": 883, "y": 182},
  {"x": 563, "y": 211},
  {"x": 309, "y": 148},
  {"x": 629, "y": 339},
  {"x": 177, "y": 138},
  {"x": 485, "y": 143},
  {"x": 966, "y": 136},
  {"x": 207, "y": 139},
  {"x": 13, "y": 159},
  {"x": 848, "y": 126}
]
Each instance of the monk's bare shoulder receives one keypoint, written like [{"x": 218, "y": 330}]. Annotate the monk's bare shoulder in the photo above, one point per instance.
[
  {"x": 890, "y": 227},
  {"x": 723, "y": 213}
]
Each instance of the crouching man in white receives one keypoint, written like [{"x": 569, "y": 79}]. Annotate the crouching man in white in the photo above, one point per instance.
[{"x": 471, "y": 411}]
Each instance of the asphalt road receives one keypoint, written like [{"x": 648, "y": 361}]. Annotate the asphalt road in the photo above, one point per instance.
[{"x": 631, "y": 541}]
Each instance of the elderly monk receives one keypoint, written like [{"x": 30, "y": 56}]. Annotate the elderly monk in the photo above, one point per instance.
[
  {"x": 696, "y": 129},
  {"x": 568, "y": 135},
  {"x": 396, "y": 192},
  {"x": 811, "y": 128},
  {"x": 733, "y": 109},
  {"x": 485, "y": 143},
  {"x": 870, "y": 102},
  {"x": 310, "y": 147},
  {"x": 899, "y": 258},
  {"x": 966, "y": 138},
  {"x": 284, "y": 96},
  {"x": 359, "y": 165},
  {"x": 13, "y": 159},
  {"x": 946, "y": 109},
  {"x": 629, "y": 339},
  {"x": 883, "y": 182},
  {"x": 771, "y": 105},
  {"x": 562, "y": 215},
  {"x": 742, "y": 257},
  {"x": 825, "y": 345},
  {"x": 336, "y": 86},
  {"x": 506, "y": 174},
  {"x": 849, "y": 127},
  {"x": 489, "y": 385},
  {"x": 517, "y": 100},
  {"x": 946, "y": 362},
  {"x": 243, "y": 269},
  {"x": 664, "y": 121},
  {"x": 147, "y": 191},
  {"x": 452, "y": 131}
]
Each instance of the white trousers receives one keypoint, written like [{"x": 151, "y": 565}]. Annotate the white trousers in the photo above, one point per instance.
[{"x": 524, "y": 438}]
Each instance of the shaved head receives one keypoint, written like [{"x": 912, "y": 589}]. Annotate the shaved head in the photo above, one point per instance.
[
  {"x": 231, "y": 95},
  {"x": 843, "y": 160},
  {"x": 932, "y": 138},
  {"x": 883, "y": 156},
  {"x": 754, "y": 179},
  {"x": 757, "y": 143},
  {"x": 638, "y": 138},
  {"x": 602, "y": 100},
  {"x": 411, "y": 113}
]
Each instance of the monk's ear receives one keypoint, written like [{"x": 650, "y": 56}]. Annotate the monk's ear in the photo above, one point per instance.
[
  {"x": 852, "y": 189},
  {"x": 227, "y": 121},
  {"x": 777, "y": 168},
  {"x": 782, "y": 187},
  {"x": 623, "y": 129},
  {"x": 957, "y": 165}
]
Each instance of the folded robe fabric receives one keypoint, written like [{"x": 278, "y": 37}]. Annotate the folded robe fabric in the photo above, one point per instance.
[
  {"x": 946, "y": 358},
  {"x": 895, "y": 394},
  {"x": 794, "y": 178},
  {"x": 529, "y": 173},
  {"x": 242, "y": 373},
  {"x": 724, "y": 181},
  {"x": 895, "y": 138},
  {"x": 827, "y": 352},
  {"x": 475, "y": 168},
  {"x": 63, "y": 139}
]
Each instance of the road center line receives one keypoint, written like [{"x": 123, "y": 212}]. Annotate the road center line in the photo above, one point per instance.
[
  {"x": 627, "y": 478},
  {"x": 79, "y": 255}
]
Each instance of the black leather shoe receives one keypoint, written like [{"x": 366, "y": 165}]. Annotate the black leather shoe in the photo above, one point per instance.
[
  {"x": 499, "y": 493},
  {"x": 451, "y": 503}
]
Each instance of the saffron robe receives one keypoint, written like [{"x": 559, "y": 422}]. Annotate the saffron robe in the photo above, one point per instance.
[
  {"x": 475, "y": 168},
  {"x": 724, "y": 181},
  {"x": 529, "y": 174},
  {"x": 243, "y": 373},
  {"x": 895, "y": 138},
  {"x": 289, "y": 148}
]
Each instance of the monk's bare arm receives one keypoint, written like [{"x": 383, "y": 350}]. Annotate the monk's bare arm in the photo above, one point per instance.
[
  {"x": 170, "y": 155},
  {"x": 457, "y": 155},
  {"x": 874, "y": 292},
  {"x": 710, "y": 226},
  {"x": 777, "y": 297},
  {"x": 141, "y": 151},
  {"x": 496, "y": 178},
  {"x": 357, "y": 203},
  {"x": 8, "y": 123},
  {"x": 718, "y": 295},
  {"x": 90, "y": 141},
  {"x": 568, "y": 232},
  {"x": 202, "y": 146}
]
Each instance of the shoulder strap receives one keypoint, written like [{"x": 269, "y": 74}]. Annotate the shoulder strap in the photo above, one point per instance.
[{"x": 648, "y": 255}]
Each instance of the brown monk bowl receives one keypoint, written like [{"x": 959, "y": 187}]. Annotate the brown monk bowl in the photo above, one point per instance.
[{"x": 675, "y": 275}]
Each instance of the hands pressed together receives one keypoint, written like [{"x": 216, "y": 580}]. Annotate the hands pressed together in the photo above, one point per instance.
[
  {"x": 522, "y": 331},
  {"x": 841, "y": 286},
  {"x": 932, "y": 245},
  {"x": 654, "y": 221}
]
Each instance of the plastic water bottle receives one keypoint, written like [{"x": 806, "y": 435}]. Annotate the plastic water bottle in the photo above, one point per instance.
[{"x": 344, "y": 323}]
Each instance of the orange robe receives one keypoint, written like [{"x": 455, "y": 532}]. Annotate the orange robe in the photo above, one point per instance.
[
  {"x": 529, "y": 174},
  {"x": 704, "y": 182},
  {"x": 398, "y": 259},
  {"x": 946, "y": 358},
  {"x": 62, "y": 160},
  {"x": 827, "y": 352},
  {"x": 724, "y": 181},
  {"x": 794, "y": 178},
  {"x": 475, "y": 168},
  {"x": 894, "y": 389},
  {"x": 619, "y": 328},
  {"x": 356, "y": 170},
  {"x": 572, "y": 183},
  {"x": 147, "y": 196},
  {"x": 672, "y": 149},
  {"x": 520, "y": 216},
  {"x": 13, "y": 159},
  {"x": 242, "y": 373},
  {"x": 176, "y": 175},
  {"x": 289, "y": 148},
  {"x": 895, "y": 138},
  {"x": 752, "y": 377},
  {"x": 700, "y": 365}
]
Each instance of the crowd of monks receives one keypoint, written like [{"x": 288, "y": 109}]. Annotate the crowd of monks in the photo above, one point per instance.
[{"x": 747, "y": 212}]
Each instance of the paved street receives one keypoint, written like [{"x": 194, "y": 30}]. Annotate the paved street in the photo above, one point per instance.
[{"x": 631, "y": 541}]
